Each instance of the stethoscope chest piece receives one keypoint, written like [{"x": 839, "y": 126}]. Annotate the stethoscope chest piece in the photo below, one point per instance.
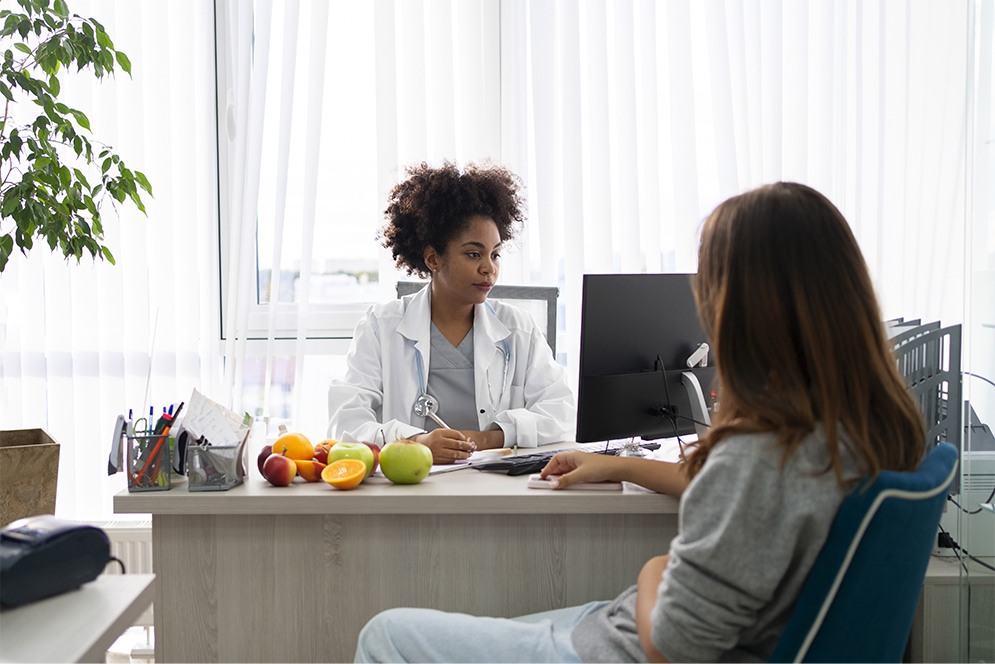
[{"x": 425, "y": 405}]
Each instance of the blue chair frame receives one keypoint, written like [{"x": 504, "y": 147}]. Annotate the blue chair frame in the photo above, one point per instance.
[{"x": 860, "y": 598}]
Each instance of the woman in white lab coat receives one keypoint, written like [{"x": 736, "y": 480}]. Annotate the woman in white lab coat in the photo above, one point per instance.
[{"x": 483, "y": 367}]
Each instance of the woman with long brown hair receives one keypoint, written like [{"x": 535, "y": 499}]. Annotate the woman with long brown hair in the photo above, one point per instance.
[{"x": 811, "y": 401}]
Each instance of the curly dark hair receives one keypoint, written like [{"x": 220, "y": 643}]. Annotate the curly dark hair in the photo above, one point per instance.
[{"x": 433, "y": 205}]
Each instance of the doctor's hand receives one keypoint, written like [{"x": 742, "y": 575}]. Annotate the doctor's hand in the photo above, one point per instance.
[{"x": 447, "y": 445}]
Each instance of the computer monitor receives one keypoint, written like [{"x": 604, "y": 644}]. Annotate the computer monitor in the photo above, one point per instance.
[{"x": 637, "y": 333}]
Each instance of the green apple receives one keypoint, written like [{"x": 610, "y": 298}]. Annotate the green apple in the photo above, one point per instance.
[
  {"x": 353, "y": 451},
  {"x": 405, "y": 462}
]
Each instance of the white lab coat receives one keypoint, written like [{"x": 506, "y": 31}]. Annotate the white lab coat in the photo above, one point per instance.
[{"x": 526, "y": 395}]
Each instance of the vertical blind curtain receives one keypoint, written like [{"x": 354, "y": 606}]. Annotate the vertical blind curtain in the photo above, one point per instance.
[
  {"x": 291, "y": 90},
  {"x": 76, "y": 340},
  {"x": 643, "y": 115},
  {"x": 629, "y": 121}
]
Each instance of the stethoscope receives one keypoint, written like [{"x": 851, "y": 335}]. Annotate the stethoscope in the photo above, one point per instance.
[{"x": 428, "y": 406}]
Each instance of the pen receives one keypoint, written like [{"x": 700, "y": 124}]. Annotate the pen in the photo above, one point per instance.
[
  {"x": 161, "y": 430},
  {"x": 438, "y": 420}
]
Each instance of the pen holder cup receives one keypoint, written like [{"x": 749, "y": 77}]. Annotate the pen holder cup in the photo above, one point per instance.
[
  {"x": 215, "y": 468},
  {"x": 148, "y": 463}
]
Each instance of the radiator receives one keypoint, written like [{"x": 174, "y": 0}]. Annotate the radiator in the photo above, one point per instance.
[{"x": 131, "y": 543}]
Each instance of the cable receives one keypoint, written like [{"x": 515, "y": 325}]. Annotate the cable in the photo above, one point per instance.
[
  {"x": 952, "y": 543},
  {"x": 977, "y": 511},
  {"x": 119, "y": 562},
  {"x": 987, "y": 380},
  {"x": 967, "y": 573},
  {"x": 668, "y": 410}
]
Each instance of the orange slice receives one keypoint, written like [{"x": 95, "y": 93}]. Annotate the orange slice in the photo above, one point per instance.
[{"x": 345, "y": 473}]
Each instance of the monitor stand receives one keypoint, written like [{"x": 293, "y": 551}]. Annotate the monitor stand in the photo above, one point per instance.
[{"x": 699, "y": 411}]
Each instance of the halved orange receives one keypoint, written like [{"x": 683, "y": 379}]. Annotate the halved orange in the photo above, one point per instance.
[{"x": 345, "y": 473}]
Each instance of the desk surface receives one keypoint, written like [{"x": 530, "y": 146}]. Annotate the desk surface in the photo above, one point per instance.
[
  {"x": 77, "y": 626},
  {"x": 465, "y": 491},
  {"x": 307, "y": 565}
]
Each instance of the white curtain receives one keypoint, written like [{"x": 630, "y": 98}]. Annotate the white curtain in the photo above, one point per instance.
[
  {"x": 76, "y": 341},
  {"x": 629, "y": 120},
  {"x": 642, "y": 116}
]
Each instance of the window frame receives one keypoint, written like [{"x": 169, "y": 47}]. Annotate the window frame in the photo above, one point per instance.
[{"x": 328, "y": 323}]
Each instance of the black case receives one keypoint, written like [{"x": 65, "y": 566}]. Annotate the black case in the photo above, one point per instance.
[{"x": 41, "y": 556}]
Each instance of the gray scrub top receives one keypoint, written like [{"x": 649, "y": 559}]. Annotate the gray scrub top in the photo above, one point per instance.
[{"x": 450, "y": 380}]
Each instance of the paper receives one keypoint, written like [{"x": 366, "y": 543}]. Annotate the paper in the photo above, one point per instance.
[
  {"x": 218, "y": 425},
  {"x": 483, "y": 456}
]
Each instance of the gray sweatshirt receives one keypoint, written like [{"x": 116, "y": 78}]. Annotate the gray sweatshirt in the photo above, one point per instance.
[{"x": 748, "y": 534}]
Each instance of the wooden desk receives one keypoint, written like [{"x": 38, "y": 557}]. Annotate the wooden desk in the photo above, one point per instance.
[
  {"x": 76, "y": 626},
  {"x": 266, "y": 574}
]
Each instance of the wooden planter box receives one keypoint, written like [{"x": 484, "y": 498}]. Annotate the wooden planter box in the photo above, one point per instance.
[{"x": 29, "y": 474}]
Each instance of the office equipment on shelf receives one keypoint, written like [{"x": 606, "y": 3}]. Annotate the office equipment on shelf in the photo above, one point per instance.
[
  {"x": 928, "y": 358},
  {"x": 643, "y": 359},
  {"x": 41, "y": 556},
  {"x": 526, "y": 464}
]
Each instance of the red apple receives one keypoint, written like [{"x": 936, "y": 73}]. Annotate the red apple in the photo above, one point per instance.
[
  {"x": 279, "y": 470},
  {"x": 321, "y": 450},
  {"x": 263, "y": 455},
  {"x": 376, "y": 456}
]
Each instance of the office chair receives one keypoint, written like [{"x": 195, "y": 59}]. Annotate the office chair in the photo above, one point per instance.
[
  {"x": 545, "y": 294},
  {"x": 860, "y": 598}
]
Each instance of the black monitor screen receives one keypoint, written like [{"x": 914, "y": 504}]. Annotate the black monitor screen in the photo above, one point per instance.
[{"x": 628, "y": 321}]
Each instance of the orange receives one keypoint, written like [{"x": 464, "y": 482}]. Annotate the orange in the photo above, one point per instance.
[
  {"x": 297, "y": 444},
  {"x": 345, "y": 473}
]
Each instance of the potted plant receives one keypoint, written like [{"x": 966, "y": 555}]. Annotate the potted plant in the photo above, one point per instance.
[{"x": 54, "y": 179}]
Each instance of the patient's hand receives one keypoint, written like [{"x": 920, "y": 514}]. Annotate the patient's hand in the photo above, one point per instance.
[{"x": 576, "y": 467}]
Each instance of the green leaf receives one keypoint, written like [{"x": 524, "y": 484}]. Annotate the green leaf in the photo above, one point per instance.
[
  {"x": 102, "y": 37},
  {"x": 143, "y": 181},
  {"x": 81, "y": 119},
  {"x": 6, "y": 91},
  {"x": 123, "y": 60},
  {"x": 23, "y": 48},
  {"x": 106, "y": 165},
  {"x": 6, "y": 248},
  {"x": 107, "y": 254},
  {"x": 61, "y": 9},
  {"x": 53, "y": 86},
  {"x": 9, "y": 204}
]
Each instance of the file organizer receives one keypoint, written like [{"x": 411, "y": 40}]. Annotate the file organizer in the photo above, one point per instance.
[
  {"x": 148, "y": 463},
  {"x": 215, "y": 467}
]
